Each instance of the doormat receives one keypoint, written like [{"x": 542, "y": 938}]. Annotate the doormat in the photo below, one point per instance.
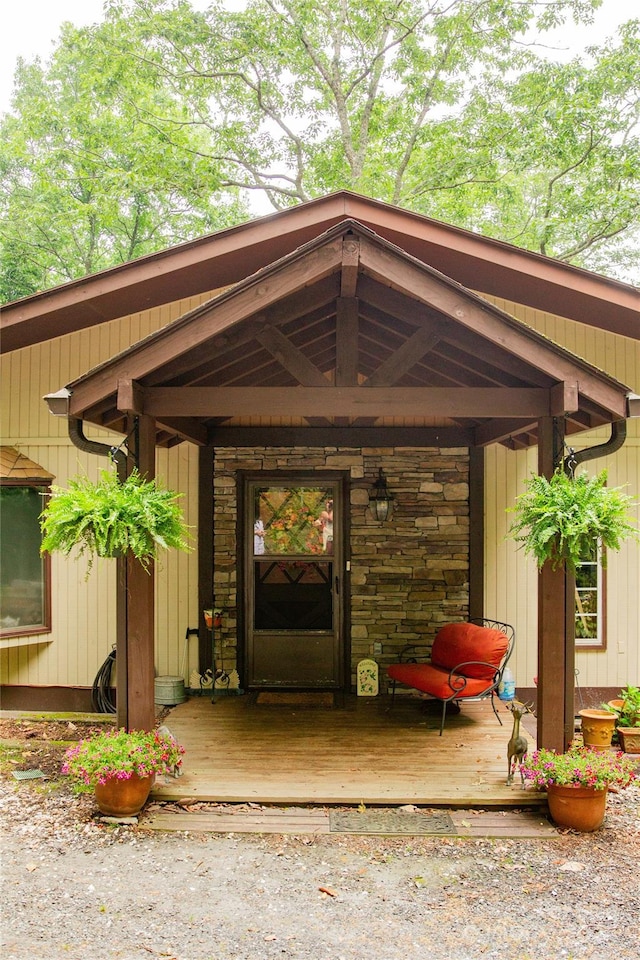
[
  {"x": 293, "y": 698},
  {"x": 391, "y": 823}
]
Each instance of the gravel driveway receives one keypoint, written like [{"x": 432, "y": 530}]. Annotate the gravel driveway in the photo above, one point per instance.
[{"x": 75, "y": 888}]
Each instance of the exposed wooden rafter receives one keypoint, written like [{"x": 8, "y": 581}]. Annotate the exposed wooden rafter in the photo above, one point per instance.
[
  {"x": 405, "y": 357},
  {"x": 292, "y": 359}
]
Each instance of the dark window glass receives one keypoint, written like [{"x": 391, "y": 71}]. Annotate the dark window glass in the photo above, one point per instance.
[{"x": 23, "y": 572}]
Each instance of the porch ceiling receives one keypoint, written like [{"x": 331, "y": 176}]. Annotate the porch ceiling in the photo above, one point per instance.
[{"x": 346, "y": 335}]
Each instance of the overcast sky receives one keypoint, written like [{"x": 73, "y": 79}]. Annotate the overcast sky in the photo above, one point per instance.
[{"x": 30, "y": 28}]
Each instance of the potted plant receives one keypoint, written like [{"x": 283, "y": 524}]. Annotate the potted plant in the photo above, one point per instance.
[
  {"x": 111, "y": 517},
  {"x": 564, "y": 518},
  {"x": 626, "y": 711},
  {"x": 577, "y": 781},
  {"x": 119, "y": 766}
]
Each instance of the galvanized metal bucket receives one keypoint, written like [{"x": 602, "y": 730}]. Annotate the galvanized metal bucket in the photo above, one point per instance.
[{"x": 169, "y": 691}]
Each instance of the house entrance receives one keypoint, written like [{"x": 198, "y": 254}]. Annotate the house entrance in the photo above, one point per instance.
[{"x": 294, "y": 552}]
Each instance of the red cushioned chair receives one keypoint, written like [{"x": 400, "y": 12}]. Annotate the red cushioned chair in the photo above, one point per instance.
[{"x": 467, "y": 662}]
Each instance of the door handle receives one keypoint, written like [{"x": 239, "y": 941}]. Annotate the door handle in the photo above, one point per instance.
[{"x": 337, "y": 585}]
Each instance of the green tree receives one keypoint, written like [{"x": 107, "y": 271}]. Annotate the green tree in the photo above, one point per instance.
[
  {"x": 446, "y": 109},
  {"x": 84, "y": 183}
]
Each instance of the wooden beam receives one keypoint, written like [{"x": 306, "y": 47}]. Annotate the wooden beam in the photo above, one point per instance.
[
  {"x": 500, "y": 430},
  {"x": 564, "y": 398},
  {"x": 394, "y": 303},
  {"x": 406, "y": 357},
  {"x": 205, "y": 554},
  {"x": 476, "y": 532},
  {"x": 205, "y": 322},
  {"x": 130, "y": 396},
  {"x": 481, "y": 317},
  {"x": 350, "y": 261},
  {"x": 553, "y": 664},
  {"x": 347, "y": 354},
  {"x": 340, "y": 436},
  {"x": 293, "y": 360},
  {"x": 472, "y": 353},
  {"x": 346, "y": 401},
  {"x": 187, "y": 428}
]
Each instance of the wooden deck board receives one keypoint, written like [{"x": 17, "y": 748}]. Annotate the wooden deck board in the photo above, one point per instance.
[
  {"x": 238, "y": 750},
  {"x": 317, "y": 822}
]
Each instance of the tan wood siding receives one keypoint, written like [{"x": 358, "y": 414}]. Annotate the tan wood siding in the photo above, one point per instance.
[
  {"x": 511, "y": 578},
  {"x": 83, "y": 611}
]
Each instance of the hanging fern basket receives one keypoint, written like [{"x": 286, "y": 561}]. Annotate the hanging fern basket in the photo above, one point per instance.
[
  {"x": 112, "y": 517},
  {"x": 565, "y": 519}
]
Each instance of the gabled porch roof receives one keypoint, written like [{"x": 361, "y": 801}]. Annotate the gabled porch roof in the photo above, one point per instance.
[
  {"x": 348, "y": 333},
  {"x": 223, "y": 258}
]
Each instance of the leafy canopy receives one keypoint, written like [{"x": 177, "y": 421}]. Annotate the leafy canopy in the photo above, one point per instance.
[{"x": 159, "y": 124}]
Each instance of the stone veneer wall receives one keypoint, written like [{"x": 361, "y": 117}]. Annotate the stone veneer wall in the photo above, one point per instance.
[{"x": 408, "y": 576}]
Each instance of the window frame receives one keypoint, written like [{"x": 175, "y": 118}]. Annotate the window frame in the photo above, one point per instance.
[
  {"x": 32, "y": 630},
  {"x": 599, "y": 642}
]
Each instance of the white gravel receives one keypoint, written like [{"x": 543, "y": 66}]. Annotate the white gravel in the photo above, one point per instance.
[{"x": 74, "y": 888}]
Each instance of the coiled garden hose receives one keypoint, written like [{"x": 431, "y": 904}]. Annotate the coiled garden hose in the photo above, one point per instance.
[{"x": 102, "y": 696}]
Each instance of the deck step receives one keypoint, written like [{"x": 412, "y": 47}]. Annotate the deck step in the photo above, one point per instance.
[{"x": 320, "y": 821}]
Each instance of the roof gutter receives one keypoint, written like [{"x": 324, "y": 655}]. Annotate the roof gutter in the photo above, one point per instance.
[
  {"x": 58, "y": 404},
  {"x": 615, "y": 441}
]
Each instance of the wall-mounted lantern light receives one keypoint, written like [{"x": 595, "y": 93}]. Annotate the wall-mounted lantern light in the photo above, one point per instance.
[{"x": 380, "y": 499}]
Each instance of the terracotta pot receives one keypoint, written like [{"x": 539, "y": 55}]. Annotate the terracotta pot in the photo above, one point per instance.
[
  {"x": 629, "y": 739},
  {"x": 123, "y": 798},
  {"x": 597, "y": 728},
  {"x": 579, "y": 808},
  {"x": 615, "y": 704}
]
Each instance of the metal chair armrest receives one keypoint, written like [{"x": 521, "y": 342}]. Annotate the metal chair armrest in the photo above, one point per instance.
[{"x": 412, "y": 646}]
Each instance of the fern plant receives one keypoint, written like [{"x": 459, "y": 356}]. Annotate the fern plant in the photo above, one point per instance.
[
  {"x": 109, "y": 518},
  {"x": 565, "y": 518}
]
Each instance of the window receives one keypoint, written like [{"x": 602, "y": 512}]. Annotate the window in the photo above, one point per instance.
[
  {"x": 25, "y": 594},
  {"x": 590, "y": 595}
]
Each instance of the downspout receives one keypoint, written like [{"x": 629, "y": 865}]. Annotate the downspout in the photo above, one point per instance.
[
  {"x": 58, "y": 404},
  {"x": 615, "y": 441},
  {"x": 77, "y": 437},
  {"x": 120, "y": 655}
]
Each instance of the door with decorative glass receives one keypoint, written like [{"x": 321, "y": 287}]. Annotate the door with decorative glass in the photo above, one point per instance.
[{"x": 293, "y": 562}]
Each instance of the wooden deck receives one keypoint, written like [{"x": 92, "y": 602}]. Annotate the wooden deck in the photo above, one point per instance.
[{"x": 359, "y": 751}]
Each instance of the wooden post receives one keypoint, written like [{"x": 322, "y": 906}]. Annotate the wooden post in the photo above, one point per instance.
[
  {"x": 122, "y": 658},
  {"x": 205, "y": 554},
  {"x": 555, "y": 659},
  {"x": 136, "y": 708},
  {"x": 476, "y": 532}
]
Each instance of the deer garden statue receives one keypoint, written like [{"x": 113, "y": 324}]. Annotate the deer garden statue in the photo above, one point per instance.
[{"x": 518, "y": 744}]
